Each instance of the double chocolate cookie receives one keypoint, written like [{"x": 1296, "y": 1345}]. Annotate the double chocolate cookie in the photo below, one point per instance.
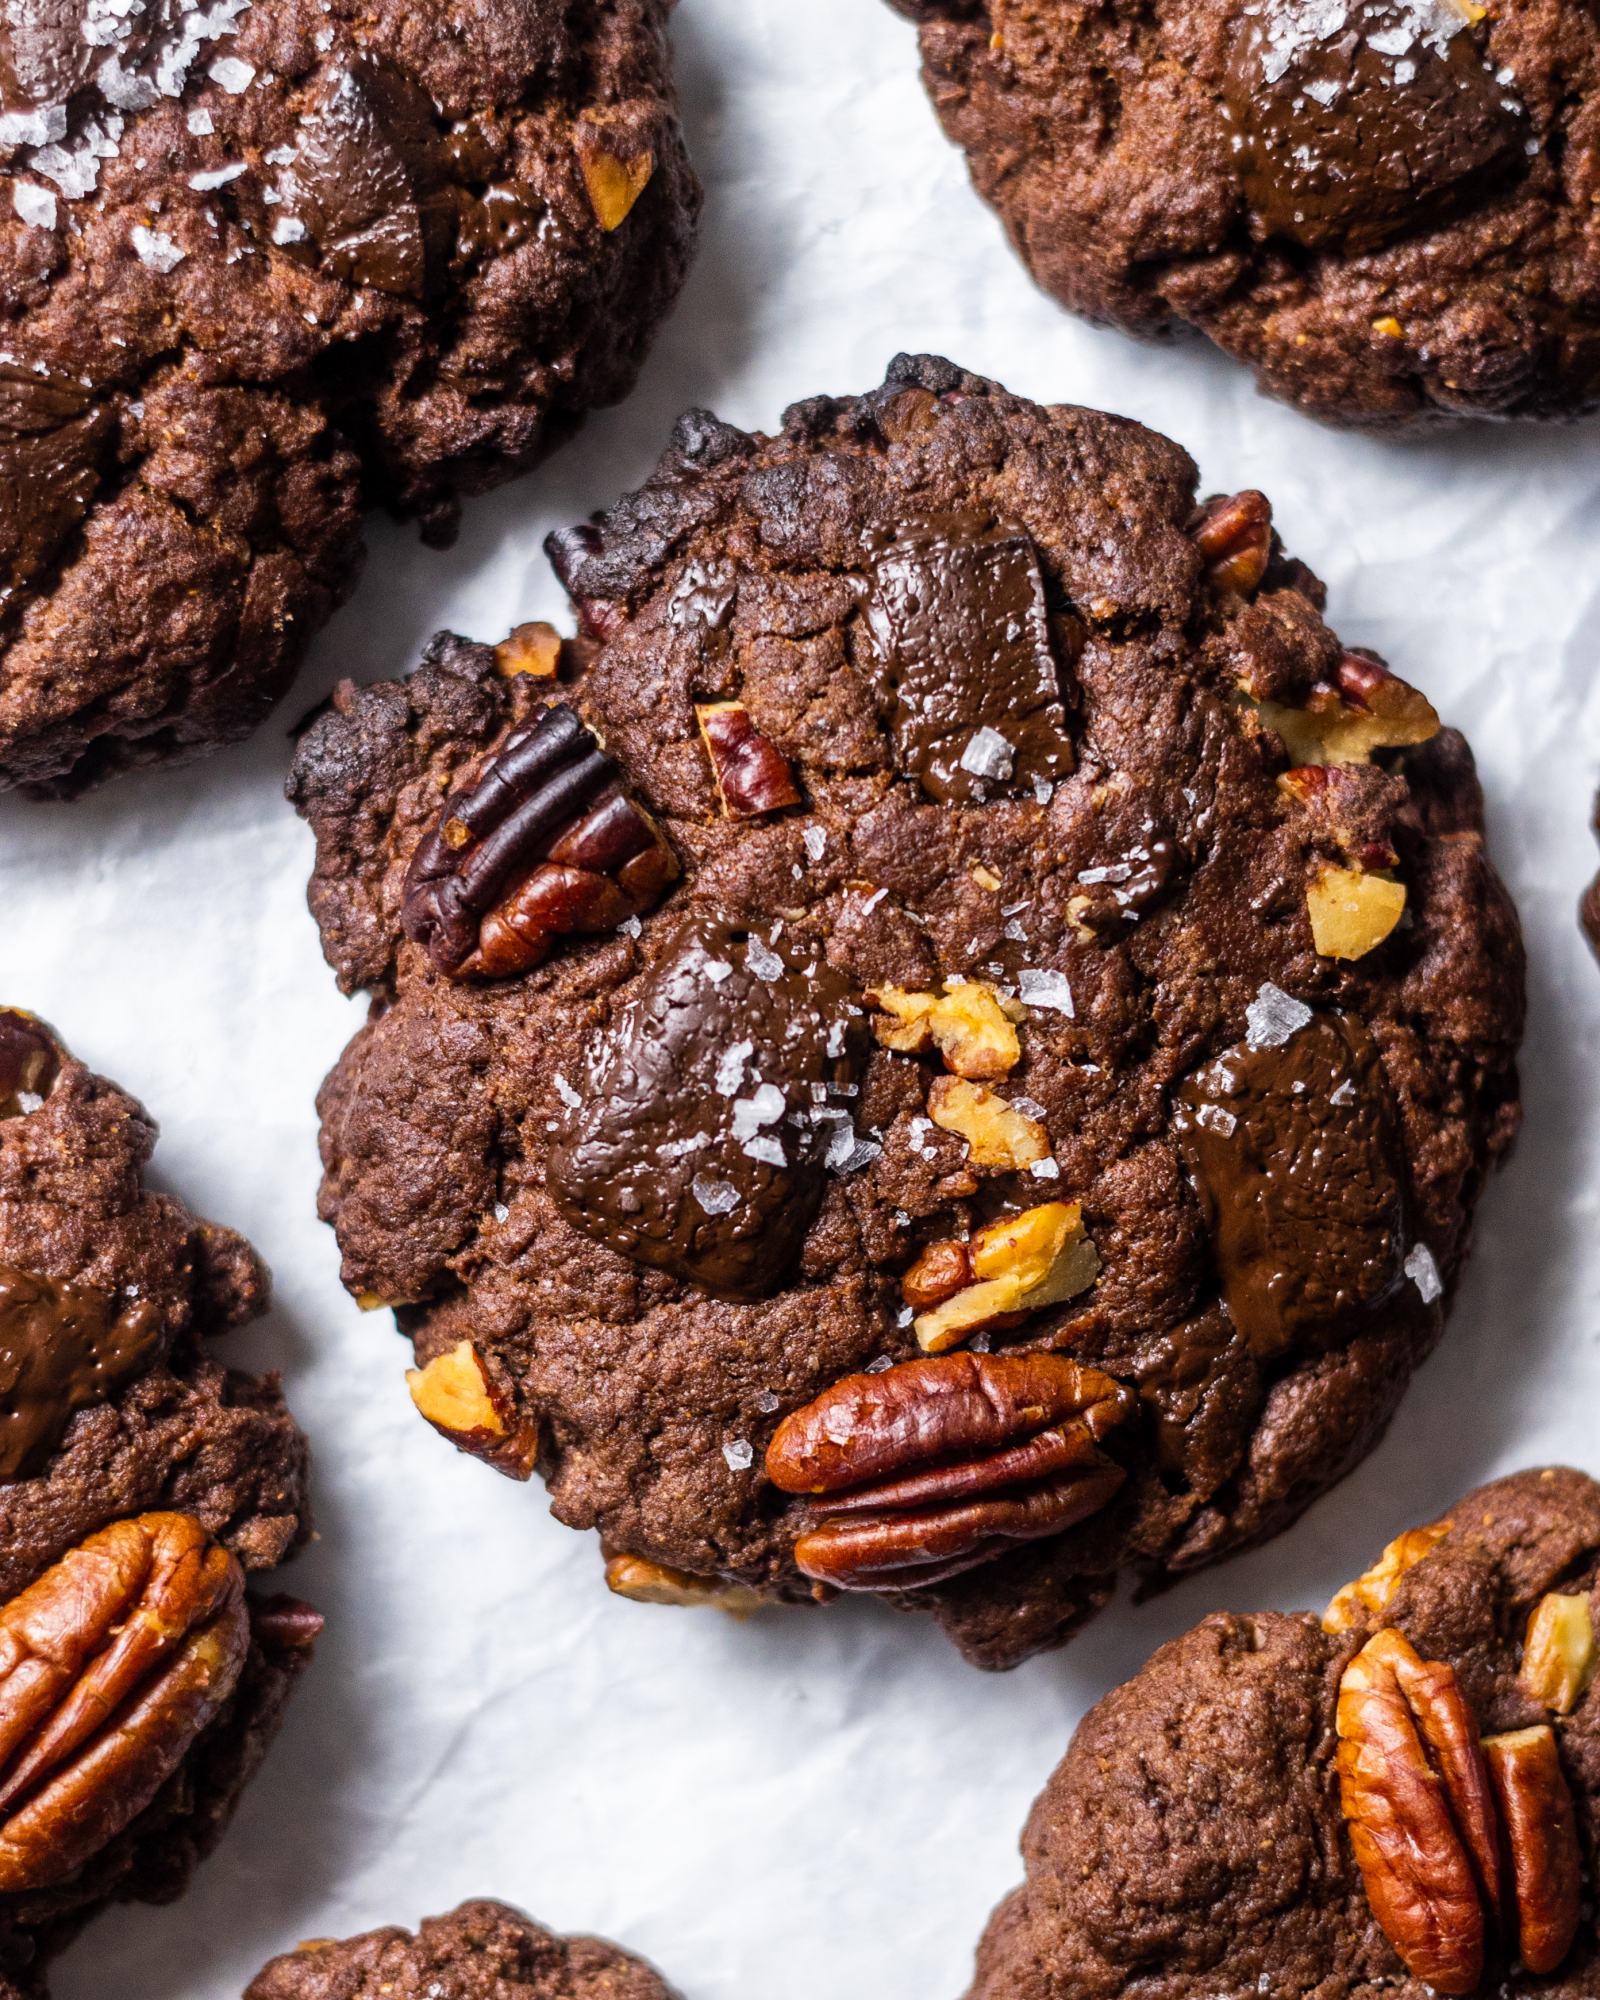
[
  {"x": 1403, "y": 1799},
  {"x": 946, "y": 1046},
  {"x": 142, "y": 1484},
  {"x": 1384, "y": 207},
  {"x": 482, "y": 1951},
  {"x": 261, "y": 265}
]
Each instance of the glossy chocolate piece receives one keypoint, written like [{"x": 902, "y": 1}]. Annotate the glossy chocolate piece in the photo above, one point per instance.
[
  {"x": 713, "y": 1105},
  {"x": 1355, "y": 119},
  {"x": 62, "y": 1349},
  {"x": 52, "y": 439},
  {"x": 29, "y": 1062},
  {"x": 1290, "y": 1148},
  {"x": 368, "y": 183},
  {"x": 958, "y": 617}
]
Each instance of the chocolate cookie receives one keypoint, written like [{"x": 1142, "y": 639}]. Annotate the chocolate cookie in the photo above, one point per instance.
[
  {"x": 1404, "y": 1798},
  {"x": 261, "y": 265},
  {"x": 141, "y": 1485},
  {"x": 1384, "y": 207},
  {"x": 947, "y": 1046},
  {"x": 482, "y": 1951}
]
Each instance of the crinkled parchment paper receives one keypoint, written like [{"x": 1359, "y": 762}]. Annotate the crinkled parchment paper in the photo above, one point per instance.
[{"x": 807, "y": 1803}]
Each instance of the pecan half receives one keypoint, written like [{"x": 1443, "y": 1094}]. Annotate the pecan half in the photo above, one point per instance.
[
  {"x": 1368, "y": 1597},
  {"x": 1541, "y": 1825},
  {"x": 545, "y": 844},
  {"x": 1233, "y": 532},
  {"x": 936, "y": 1466},
  {"x": 29, "y": 1061},
  {"x": 111, "y": 1665},
  {"x": 1417, "y": 1800},
  {"x": 750, "y": 772}
]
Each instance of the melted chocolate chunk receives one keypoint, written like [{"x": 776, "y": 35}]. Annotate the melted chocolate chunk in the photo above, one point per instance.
[
  {"x": 62, "y": 1348},
  {"x": 1118, "y": 893},
  {"x": 714, "y": 1103},
  {"x": 957, "y": 612},
  {"x": 368, "y": 182},
  {"x": 495, "y": 221},
  {"x": 29, "y": 1063},
  {"x": 1290, "y": 1148},
  {"x": 1357, "y": 121},
  {"x": 52, "y": 439}
]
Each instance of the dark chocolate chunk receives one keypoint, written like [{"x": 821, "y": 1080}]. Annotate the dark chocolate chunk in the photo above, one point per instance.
[
  {"x": 1117, "y": 893},
  {"x": 1290, "y": 1147},
  {"x": 495, "y": 221},
  {"x": 368, "y": 180},
  {"x": 62, "y": 1348},
  {"x": 52, "y": 437},
  {"x": 545, "y": 844},
  {"x": 1357, "y": 122},
  {"x": 713, "y": 1105},
  {"x": 958, "y": 616},
  {"x": 29, "y": 1061}
]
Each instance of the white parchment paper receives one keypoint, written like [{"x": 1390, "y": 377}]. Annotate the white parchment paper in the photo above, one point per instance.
[{"x": 810, "y": 1803}]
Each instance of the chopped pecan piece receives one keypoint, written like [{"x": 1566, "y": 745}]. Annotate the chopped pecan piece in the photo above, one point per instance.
[
  {"x": 111, "y": 1665},
  {"x": 545, "y": 844},
  {"x": 458, "y": 1397},
  {"x": 1017, "y": 1265},
  {"x": 616, "y": 170},
  {"x": 935, "y": 1466},
  {"x": 533, "y": 649},
  {"x": 1541, "y": 1824},
  {"x": 1420, "y": 1809},
  {"x": 1234, "y": 534},
  {"x": 971, "y": 1025},
  {"x": 29, "y": 1061},
  {"x": 998, "y": 1137},
  {"x": 1559, "y": 1655},
  {"x": 1362, "y": 709},
  {"x": 751, "y": 774},
  {"x": 644, "y": 1582},
  {"x": 1351, "y": 911},
  {"x": 1368, "y": 1596}
]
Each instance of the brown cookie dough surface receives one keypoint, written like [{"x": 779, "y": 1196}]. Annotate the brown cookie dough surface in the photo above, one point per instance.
[
  {"x": 1082, "y": 980},
  {"x": 481, "y": 1951},
  {"x": 262, "y": 264},
  {"x": 1195, "y": 1841},
  {"x": 142, "y": 1484},
  {"x": 1383, "y": 207}
]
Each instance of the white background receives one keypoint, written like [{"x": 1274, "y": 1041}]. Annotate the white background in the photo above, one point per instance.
[{"x": 812, "y": 1803}]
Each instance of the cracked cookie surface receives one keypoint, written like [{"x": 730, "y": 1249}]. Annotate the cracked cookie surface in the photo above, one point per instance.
[
  {"x": 481, "y": 1951},
  {"x": 1382, "y": 207},
  {"x": 1197, "y": 1838},
  {"x": 144, "y": 1484},
  {"x": 263, "y": 264},
  {"x": 1045, "y": 1008}
]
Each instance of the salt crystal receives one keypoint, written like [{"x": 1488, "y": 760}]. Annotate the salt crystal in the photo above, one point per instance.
[
  {"x": 233, "y": 74},
  {"x": 838, "y": 1034},
  {"x": 883, "y": 1364},
  {"x": 763, "y": 963},
  {"x": 847, "y": 1151},
  {"x": 33, "y": 128},
  {"x": 155, "y": 249},
  {"x": 1030, "y": 1107},
  {"x": 216, "y": 177},
  {"x": 126, "y": 89},
  {"x": 36, "y": 206},
  {"x": 988, "y": 754},
  {"x": 1045, "y": 1170},
  {"x": 764, "y": 1107},
  {"x": 730, "y": 1068},
  {"x": 1043, "y": 790},
  {"x": 714, "y": 1196},
  {"x": 564, "y": 1090},
  {"x": 768, "y": 1404},
  {"x": 1345, "y": 1094},
  {"x": 874, "y": 900},
  {"x": 630, "y": 926},
  {"x": 1424, "y": 1272},
  {"x": 1013, "y": 930},
  {"x": 740, "y": 1455},
  {"x": 278, "y": 156},
  {"x": 717, "y": 970},
  {"x": 201, "y": 124},
  {"x": 1048, "y": 990},
  {"x": 1212, "y": 1118},
  {"x": 767, "y": 1148},
  {"x": 816, "y": 840},
  {"x": 1274, "y": 1017},
  {"x": 501, "y": 1212}
]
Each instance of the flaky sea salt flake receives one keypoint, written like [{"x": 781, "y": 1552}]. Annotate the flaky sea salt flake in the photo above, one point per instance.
[
  {"x": 233, "y": 73},
  {"x": 156, "y": 249},
  {"x": 1048, "y": 991},
  {"x": 740, "y": 1454},
  {"x": 35, "y": 206},
  {"x": 1274, "y": 1017},
  {"x": 1423, "y": 1272},
  {"x": 988, "y": 754},
  {"x": 714, "y": 1196}
]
